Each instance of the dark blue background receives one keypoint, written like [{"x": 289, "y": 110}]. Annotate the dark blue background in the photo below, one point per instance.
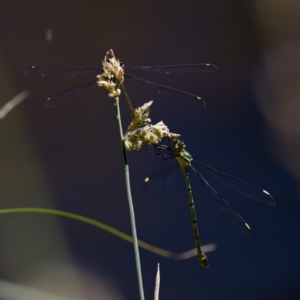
[{"x": 77, "y": 148}]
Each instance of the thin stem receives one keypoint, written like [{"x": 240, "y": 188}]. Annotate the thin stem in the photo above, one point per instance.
[
  {"x": 130, "y": 107},
  {"x": 118, "y": 233},
  {"x": 131, "y": 210}
]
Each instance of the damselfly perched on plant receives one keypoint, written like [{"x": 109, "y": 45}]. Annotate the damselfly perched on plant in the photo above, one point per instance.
[
  {"x": 185, "y": 161},
  {"x": 78, "y": 91}
]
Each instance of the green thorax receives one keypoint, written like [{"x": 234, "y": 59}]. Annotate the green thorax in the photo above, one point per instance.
[{"x": 184, "y": 158}]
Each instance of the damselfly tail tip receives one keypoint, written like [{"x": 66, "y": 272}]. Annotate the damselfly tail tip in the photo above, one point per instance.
[{"x": 204, "y": 261}]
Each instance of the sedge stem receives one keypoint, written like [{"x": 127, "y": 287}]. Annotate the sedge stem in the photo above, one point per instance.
[{"x": 131, "y": 210}]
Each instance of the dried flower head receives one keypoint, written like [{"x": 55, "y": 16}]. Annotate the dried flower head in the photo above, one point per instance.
[
  {"x": 140, "y": 130},
  {"x": 112, "y": 76},
  {"x": 140, "y": 116}
]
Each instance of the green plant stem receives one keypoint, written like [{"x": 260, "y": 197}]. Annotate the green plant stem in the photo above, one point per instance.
[
  {"x": 131, "y": 210},
  {"x": 118, "y": 233}
]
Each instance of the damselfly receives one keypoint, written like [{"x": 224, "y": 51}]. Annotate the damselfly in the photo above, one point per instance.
[
  {"x": 85, "y": 88},
  {"x": 185, "y": 162}
]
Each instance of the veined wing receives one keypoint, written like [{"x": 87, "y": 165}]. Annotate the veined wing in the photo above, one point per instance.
[
  {"x": 168, "y": 91},
  {"x": 233, "y": 217},
  {"x": 243, "y": 187},
  {"x": 177, "y": 69},
  {"x": 61, "y": 71},
  {"x": 160, "y": 180},
  {"x": 70, "y": 94}
]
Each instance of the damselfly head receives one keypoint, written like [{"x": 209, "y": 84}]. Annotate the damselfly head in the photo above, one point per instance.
[{"x": 178, "y": 144}]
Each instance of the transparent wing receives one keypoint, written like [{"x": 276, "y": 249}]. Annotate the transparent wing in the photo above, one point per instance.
[
  {"x": 177, "y": 69},
  {"x": 160, "y": 180},
  {"x": 168, "y": 91},
  {"x": 77, "y": 70},
  {"x": 232, "y": 216},
  {"x": 69, "y": 95},
  {"x": 60, "y": 71},
  {"x": 243, "y": 187}
]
